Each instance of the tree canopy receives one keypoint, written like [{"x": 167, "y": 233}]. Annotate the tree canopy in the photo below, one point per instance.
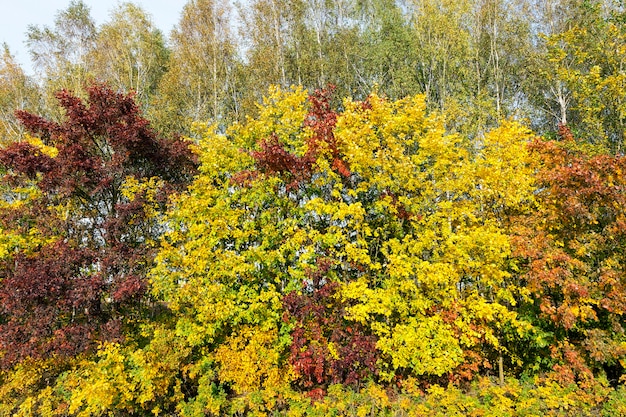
[{"x": 370, "y": 208}]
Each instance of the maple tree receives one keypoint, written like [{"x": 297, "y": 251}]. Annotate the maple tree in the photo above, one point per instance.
[
  {"x": 96, "y": 183},
  {"x": 346, "y": 247},
  {"x": 573, "y": 250}
]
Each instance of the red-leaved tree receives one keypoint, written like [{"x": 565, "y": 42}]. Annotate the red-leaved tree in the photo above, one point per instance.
[
  {"x": 274, "y": 158},
  {"x": 574, "y": 248},
  {"x": 86, "y": 282},
  {"x": 326, "y": 348}
]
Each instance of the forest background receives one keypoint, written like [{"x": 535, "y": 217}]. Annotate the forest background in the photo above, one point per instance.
[{"x": 292, "y": 207}]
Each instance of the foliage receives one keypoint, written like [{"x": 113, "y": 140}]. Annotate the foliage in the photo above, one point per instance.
[
  {"x": 200, "y": 83},
  {"x": 573, "y": 249},
  {"x": 80, "y": 220},
  {"x": 587, "y": 59},
  {"x": 324, "y": 348},
  {"x": 17, "y": 91},
  {"x": 130, "y": 52},
  {"x": 344, "y": 247},
  {"x": 415, "y": 250}
]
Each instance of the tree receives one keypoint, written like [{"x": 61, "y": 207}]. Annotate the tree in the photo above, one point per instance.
[
  {"x": 361, "y": 244},
  {"x": 269, "y": 28},
  {"x": 130, "y": 52},
  {"x": 501, "y": 41},
  {"x": 576, "y": 73},
  {"x": 200, "y": 83},
  {"x": 65, "y": 45},
  {"x": 596, "y": 78},
  {"x": 266, "y": 27},
  {"x": 90, "y": 188},
  {"x": 443, "y": 47},
  {"x": 61, "y": 52},
  {"x": 17, "y": 91},
  {"x": 573, "y": 248},
  {"x": 545, "y": 91},
  {"x": 390, "y": 59}
]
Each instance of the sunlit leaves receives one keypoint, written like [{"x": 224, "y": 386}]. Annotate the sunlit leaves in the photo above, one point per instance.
[
  {"x": 372, "y": 239},
  {"x": 368, "y": 247},
  {"x": 573, "y": 246},
  {"x": 130, "y": 52},
  {"x": 588, "y": 61},
  {"x": 80, "y": 219}
]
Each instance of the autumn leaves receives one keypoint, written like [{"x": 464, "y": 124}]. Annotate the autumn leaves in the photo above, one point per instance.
[{"x": 366, "y": 247}]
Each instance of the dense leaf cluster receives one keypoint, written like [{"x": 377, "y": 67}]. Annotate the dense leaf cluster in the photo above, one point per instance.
[
  {"x": 86, "y": 278},
  {"x": 367, "y": 252},
  {"x": 398, "y": 243}
]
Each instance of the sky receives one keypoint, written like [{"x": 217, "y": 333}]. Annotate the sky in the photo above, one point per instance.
[{"x": 17, "y": 15}]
